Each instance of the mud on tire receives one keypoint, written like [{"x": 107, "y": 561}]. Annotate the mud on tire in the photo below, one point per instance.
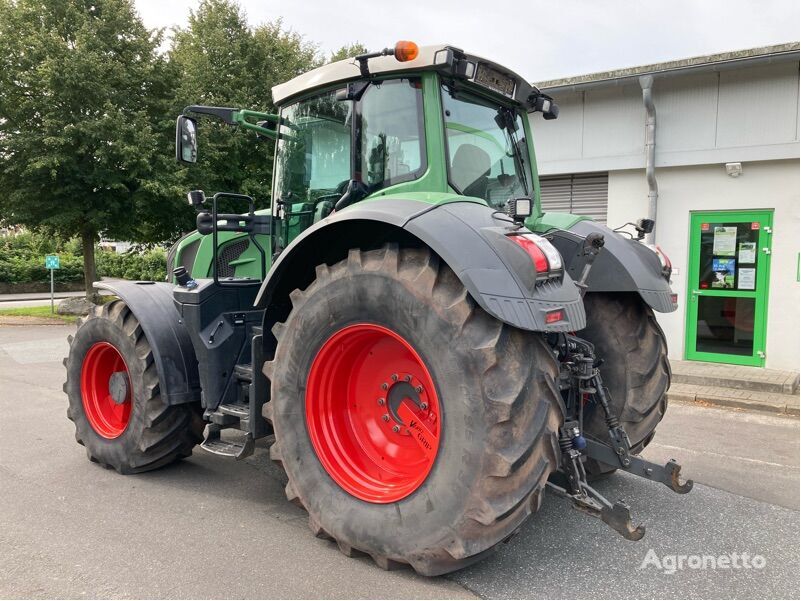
[
  {"x": 635, "y": 369},
  {"x": 156, "y": 433},
  {"x": 500, "y": 412}
]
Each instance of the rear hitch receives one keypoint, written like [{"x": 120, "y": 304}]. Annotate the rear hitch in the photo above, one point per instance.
[
  {"x": 617, "y": 516},
  {"x": 583, "y": 383},
  {"x": 668, "y": 474}
]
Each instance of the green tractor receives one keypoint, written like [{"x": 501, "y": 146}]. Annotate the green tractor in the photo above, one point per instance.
[{"x": 423, "y": 349}]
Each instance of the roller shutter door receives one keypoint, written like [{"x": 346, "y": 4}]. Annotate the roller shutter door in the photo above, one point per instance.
[{"x": 582, "y": 194}]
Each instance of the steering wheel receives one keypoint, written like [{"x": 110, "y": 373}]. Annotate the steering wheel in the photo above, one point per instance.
[{"x": 340, "y": 190}]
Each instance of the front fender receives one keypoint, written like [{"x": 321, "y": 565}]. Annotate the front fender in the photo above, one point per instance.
[
  {"x": 173, "y": 353},
  {"x": 468, "y": 236},
  {"x": 624, "y": 265}
]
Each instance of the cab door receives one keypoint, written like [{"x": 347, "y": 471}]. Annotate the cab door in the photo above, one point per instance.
[{"x": 728, "y": 278}]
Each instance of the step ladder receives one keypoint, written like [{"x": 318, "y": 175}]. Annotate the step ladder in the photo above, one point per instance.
[{"x": 244, "y": 415}]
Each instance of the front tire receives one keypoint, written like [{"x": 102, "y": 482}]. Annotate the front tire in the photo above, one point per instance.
[
  {"x": 114, "y": 399},
  {"x": 490, "y": 388}
]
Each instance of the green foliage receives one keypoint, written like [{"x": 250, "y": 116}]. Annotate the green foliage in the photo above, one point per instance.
[
  {"x": 150, "y": 265},
  {"x": 22, "y": 261},
  {"x": 87, "y": 112},
  {"x": 348, "y": 51},
  {"x": 225, "y": 62},
  {"x": 85, "y": 103}
]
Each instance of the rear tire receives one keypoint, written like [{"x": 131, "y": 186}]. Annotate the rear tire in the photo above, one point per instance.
[
  {"x": 137, "y": 431},
  {"x": 499, "y": 412},
  {"x": 636, "y": 369}
]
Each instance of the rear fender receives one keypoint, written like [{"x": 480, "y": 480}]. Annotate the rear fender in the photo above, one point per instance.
[
  {"x": 466, "y": 235},
  {"x": 624, "y": 265},
  {"x": 173, "y": 354}
]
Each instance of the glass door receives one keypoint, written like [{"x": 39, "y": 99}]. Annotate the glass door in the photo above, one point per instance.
[{"x": 728, "y": 286}]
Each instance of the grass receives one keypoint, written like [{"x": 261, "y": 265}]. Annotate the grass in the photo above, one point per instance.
[{"x": 41, "y": 312}]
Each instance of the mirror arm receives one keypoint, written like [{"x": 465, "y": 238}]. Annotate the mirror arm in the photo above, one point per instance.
[{"x": 242, "y": 115}]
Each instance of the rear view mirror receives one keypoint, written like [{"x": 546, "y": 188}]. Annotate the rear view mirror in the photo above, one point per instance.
[{"x": 186, "y": 140}]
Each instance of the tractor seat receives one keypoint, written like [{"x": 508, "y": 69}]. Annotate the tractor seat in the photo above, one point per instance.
[{"x": 470, "y": 169}]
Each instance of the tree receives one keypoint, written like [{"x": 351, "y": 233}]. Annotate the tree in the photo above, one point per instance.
[
  {"x": 84, "y": 101},
  {"x": 348, "y": 51},
  {"x": 225, "y": 62}
]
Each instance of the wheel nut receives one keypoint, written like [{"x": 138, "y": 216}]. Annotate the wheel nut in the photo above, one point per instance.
[
  {"x": 384, "y": 386},
  {"x": 381, "y": 401},
  {"x": 423, "y": 405},
  {"x": 408, "y": 378},
  {"x": 385, "y": 417},
  {"x": 396, "y": 428},
  {"x": 394, "y": 377},
  {"x": 419, "y": 389}
]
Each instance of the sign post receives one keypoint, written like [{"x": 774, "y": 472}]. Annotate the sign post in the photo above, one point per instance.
[{"x": 52, "y": 263}]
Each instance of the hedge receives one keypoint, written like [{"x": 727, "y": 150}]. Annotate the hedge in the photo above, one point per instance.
[{"x": 22, "y": 261}]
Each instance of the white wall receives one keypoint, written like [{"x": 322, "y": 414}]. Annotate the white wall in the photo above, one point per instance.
[
  {"x": 734, "y": 113},
  {"x": 762, "y": 185}
]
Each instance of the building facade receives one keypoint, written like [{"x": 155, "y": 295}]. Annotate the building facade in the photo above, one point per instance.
[{"x": 726, "y": 150}]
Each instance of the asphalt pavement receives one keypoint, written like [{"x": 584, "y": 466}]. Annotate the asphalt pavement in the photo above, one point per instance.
[{"x": 212, "y": 527}]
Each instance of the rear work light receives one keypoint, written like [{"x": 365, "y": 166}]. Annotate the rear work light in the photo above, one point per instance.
[{"x": 547, "y": 260}]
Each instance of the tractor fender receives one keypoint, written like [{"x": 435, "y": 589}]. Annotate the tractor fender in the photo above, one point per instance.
[
  {"x": 468, "y": 236},
  {"x": 624, "y": 265},
  {"x": 173, "y": 354}
]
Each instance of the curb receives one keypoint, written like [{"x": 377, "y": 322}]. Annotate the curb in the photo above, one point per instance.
[{"x": 760, "y": 405}]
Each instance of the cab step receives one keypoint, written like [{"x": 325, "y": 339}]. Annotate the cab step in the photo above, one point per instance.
[
  {"x": 228, "y": 448},
  {"x": 245, "y": 413}
]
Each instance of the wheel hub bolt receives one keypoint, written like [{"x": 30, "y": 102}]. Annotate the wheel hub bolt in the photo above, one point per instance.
[
  {"x": 385, "y": 417},
  {"x": 394, "y": 377},
  {"x": 381, "y": 401},
  {"x": 419, "y": 389},
  {"x": 384, "y": 386},
  {"x": 423, "y": 405},
  {"x": 396, "y": 428},
  {"x": 408, "y": 378}
]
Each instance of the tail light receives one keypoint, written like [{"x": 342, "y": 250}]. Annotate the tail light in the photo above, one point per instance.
[
  {"x": 547, "y": 260},
  {"x": 664, "y": 260}
]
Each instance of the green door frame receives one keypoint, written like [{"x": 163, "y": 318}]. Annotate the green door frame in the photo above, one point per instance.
[{"x": 759, "y": 294}]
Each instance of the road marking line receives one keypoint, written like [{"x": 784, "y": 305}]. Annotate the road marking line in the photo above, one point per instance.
[{"x": 729, "y": 457}]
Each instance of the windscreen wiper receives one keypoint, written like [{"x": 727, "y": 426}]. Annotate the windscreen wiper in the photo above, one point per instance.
[{"x": 506, "y": 121}]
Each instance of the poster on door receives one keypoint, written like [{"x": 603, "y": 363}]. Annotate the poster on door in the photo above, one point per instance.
[
  {"x": 747, "y": 253},
  {"x": 746, "y": 279},
  {"x": 723, "y": 270},
  {"x": 725, "y": 241}
]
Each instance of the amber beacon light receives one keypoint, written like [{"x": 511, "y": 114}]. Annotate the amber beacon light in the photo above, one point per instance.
[{"x": 406, "y": 51}]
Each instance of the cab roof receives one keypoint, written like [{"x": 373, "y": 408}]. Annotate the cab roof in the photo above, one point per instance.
[{"x": 450, "y": 60}]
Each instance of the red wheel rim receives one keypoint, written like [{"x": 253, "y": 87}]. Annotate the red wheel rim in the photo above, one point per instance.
[
  {"x": 372, "y": 413},
  {"x": 106, "y": 390}
]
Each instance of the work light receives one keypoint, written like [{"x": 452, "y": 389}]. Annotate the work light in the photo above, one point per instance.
[{"x": 518, "y": 208}]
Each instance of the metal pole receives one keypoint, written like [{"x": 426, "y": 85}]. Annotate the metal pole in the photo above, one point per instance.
[{"x": 52, "y": 308}]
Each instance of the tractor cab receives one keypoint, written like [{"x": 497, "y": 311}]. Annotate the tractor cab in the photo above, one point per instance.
[{"x": 402, "y": 121}]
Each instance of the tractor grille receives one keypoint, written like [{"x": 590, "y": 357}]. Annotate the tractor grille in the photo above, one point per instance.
[{"x": 230, "y": 252}]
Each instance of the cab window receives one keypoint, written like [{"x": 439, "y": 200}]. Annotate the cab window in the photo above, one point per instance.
[
  {"x": 313, "y": 153},
  {"x": 487, "y": 149},
  {"x": 392, "y": 142}
]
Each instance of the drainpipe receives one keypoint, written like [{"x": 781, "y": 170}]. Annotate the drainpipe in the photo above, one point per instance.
[{"x": 650, "y": 149}]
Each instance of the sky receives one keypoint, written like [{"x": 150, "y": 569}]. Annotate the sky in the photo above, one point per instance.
[{"x": 541, "y": 40}]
